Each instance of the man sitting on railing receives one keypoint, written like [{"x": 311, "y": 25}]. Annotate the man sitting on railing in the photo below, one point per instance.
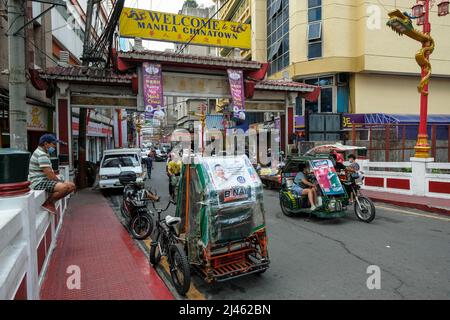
[{"x": 42, "y": 176}]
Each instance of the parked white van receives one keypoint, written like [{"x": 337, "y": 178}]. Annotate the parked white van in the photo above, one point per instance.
[{"x": 115, "y": 161}]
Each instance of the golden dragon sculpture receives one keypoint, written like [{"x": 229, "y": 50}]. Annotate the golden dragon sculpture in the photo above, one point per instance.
[{"x": 402, "y": 24}]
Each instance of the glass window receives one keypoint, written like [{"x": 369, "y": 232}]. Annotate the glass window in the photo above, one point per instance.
[
  {"x": 298, "y": 106},
  {"x": 315, "y": 14},
  {"x": 277, "y": 35},
  {"x": 315, "y": 50},
  {"x": 313, "y": 81},
  {"x": 313, "y": 106},
  {"x": 276, "y": 5},
  {"x": 327, "y": 81},
  {"x": 315, "y": 31},
  {"x": 326, "y": 100},
  {"x": 274, "y": 50},
  {"x": 314, "y": 3}
]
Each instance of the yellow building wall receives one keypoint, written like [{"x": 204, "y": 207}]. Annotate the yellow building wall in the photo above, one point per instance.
[
  {"x": 353, "y": 42},
  {"x": 259, "y": 29},
  {"x": 382, "y": 93}
]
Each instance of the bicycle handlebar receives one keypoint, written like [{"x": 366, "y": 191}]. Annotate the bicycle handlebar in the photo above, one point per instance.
[{"x": 167, "y": 207}]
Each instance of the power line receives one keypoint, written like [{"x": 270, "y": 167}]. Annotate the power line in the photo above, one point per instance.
[{"x": 198, "y": 30}]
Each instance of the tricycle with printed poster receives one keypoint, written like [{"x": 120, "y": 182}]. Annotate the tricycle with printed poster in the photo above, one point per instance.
[
  {"x": 310, "y": 184},
  {"x": 220, "y": 203}
]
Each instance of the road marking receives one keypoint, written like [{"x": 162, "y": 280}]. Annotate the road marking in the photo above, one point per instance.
[
  {"x": 193, "y": 293},
  {"x": 424, "y": 215}
]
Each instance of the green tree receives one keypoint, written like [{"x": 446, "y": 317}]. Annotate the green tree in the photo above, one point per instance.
[{"x": 190, "y": 3}]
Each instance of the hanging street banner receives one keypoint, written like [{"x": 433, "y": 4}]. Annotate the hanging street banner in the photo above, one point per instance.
[
  {"x": 161, "y": 26},
  {"x": 153, "y": 91},
  {"x": 236, "y": 79}
]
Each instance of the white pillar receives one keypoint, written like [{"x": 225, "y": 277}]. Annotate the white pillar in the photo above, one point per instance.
[{"x": 419, "y": 169}]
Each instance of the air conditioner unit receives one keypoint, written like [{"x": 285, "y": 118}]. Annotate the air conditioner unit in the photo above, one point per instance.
[{"x": 64, "y": 57}]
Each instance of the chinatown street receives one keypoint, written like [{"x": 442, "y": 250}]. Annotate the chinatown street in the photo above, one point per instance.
[{"x": 329, "y": 259}]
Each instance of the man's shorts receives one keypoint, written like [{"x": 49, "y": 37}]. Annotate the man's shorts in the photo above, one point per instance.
[
  {"x": 46, "y": 184},
  {"x": 297, "y": 189}
]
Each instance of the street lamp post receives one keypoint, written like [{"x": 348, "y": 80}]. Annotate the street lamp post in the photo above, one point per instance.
[{"x": 401, "y": 23}]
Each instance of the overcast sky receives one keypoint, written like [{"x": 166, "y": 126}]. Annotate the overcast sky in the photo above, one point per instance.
[{"x": 172, "y": 6}]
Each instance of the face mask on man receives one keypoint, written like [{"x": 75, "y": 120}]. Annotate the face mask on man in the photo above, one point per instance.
[{"x": 50, "y": 150}]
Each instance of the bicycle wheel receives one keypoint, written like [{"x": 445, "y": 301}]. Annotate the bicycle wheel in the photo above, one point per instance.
[
  {"x": 155, "y": 254},
  {"x": 179, "y": 269},
  {"x": 141, "y": 226}
]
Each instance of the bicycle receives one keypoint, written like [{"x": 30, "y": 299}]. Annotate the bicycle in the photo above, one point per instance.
[{"x": 168, "y": 244}]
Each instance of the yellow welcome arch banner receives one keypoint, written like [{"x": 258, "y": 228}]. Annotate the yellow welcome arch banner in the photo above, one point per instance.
[{"x": 161, "y": 26}]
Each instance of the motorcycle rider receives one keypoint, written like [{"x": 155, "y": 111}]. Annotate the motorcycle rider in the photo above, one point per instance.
[
  {"x": 353, "y": 173},
  {"x": 303, "y": 187}
]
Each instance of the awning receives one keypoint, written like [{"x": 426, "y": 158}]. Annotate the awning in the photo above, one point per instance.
[{"x": 405, "y": 118}]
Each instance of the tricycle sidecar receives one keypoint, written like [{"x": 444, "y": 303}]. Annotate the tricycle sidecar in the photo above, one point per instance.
[
  {"x": 220, "y": 203},
  {"x": 333, "y": 199}
]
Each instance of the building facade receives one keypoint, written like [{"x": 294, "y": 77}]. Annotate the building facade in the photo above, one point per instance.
[
  {"x": 55, "y": 38},
  {"x": 361, "y": 64},
  {"x": 251, "y": 12}
]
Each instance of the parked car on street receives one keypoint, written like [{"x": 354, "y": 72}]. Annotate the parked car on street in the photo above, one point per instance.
[
  {"x": 166, "y": 147},
  {"x": 116, "y": 161},
  {"x": 161, "y": 155},
  {"x": 144, "y": 153}
]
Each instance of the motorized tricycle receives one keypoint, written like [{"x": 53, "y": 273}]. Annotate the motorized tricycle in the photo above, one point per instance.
[
  {"x": 222, "y": 223},
  {"x": 333, "y": 190}
]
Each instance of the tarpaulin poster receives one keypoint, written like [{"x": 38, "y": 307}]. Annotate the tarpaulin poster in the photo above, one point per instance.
[
  {"x": 153, "y": 91},
  {"x": 230, "y": 177},
  {"x": 236, "y": 79},
  {"x": 326, "y": 176}
]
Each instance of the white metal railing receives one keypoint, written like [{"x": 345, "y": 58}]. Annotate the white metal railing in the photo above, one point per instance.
[{"x": 24, "y": 225}]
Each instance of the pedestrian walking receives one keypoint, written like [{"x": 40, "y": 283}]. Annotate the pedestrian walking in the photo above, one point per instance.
[
  {"x": 42, "y": 176},
  {"x": 149, "y": 161}
]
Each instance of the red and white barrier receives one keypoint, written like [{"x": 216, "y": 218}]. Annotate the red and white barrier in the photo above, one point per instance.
[
  {"x": 27, "y": 238},
  {"x": 411, "y": 178}
]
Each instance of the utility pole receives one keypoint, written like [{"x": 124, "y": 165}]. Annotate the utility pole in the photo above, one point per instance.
[
  {"x": 82, "y": 181},
  {"x": 17, "y": 80}
]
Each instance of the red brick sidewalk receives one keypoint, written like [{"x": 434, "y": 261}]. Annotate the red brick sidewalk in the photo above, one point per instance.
[
  {"x": 111, "y": 265},
  {"x": 437, "y": 205}
]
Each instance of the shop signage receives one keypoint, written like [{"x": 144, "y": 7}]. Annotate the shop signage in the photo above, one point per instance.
[
  {"x": 349, "y": 118},
  {"x": 236, "y": 79},
  {"x": 181, "y": 28},
  {"x": 93, "y": 129},
  {"x": 153, "y": 91},
  {"x": 37, "y": 118}
]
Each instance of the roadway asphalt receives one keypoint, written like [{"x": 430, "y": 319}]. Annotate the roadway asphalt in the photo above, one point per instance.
[{"x": 328, "y": 259}]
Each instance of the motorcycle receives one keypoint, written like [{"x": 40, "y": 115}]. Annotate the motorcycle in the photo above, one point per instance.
[
  {"x": 134, "y": 206},
  {"x": 168, "y": 244},
  {"x": 333, "y": 190},
  {"x": 363, "y": 206}
]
